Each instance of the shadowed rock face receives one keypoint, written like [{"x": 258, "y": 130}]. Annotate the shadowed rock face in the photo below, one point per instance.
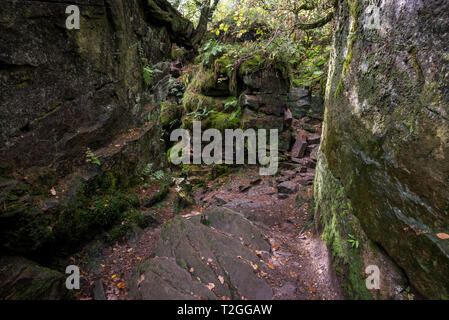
[
  {"x": 383, "y": 171},
  {"x": 22, "y": 279},
  {"x": 63, "y": 90}
]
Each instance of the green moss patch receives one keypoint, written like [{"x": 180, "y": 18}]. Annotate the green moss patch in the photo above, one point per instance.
[{"x": 333, "y": 212}]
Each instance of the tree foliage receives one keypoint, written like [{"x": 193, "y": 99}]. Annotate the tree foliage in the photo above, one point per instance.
[{"x": 294, "y": 35}]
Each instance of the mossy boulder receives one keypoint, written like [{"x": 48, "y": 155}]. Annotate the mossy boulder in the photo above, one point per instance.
[
  {"x": 42, "y": 225},
  {"x": 193, "y": 101},
  {"x": 216, "y": 120},
  {"x": 170, "y": 114},
  {"x": 207, "y": 82}
]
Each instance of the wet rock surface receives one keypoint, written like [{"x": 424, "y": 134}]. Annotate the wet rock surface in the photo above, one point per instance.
[{"x": 21, "y": 279}]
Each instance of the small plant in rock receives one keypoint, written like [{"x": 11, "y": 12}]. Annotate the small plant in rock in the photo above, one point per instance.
[
  {"x": 354, "y": 242},
  {"x": 148, "y": 74},
  {"x": 91, "y": 158},
  {"x": 148, "y": 172},
  {"x": 230, "y": 103},
  {"x": 177, "y": 93},
  {"x": 158, "y": 175},
  {"x": 200, "y": 114},
  {"x": 147, "y": 71},
  {"x": 410, "y": 295}
]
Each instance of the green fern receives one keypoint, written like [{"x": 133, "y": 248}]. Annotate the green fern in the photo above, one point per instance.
[
  {"x": 354, "y": 242},
  {"x": 148, "y": 74},
  {"x": 91, "y": 158}
]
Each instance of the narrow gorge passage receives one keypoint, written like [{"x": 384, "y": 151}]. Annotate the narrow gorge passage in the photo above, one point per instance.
[
  {"x": 343, "y": 103},
  {"x": 296, "y": 264}
]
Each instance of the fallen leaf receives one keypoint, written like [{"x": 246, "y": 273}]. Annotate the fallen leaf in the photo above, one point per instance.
[
  {"x": 121, "y": 285},
  {"x": 53, "y": 191},
  {"x": 443, "y": 236},
  {"x": 276, "y": 247},
  {"x": 113, "y": 276},
  {"x": 269, "y": 265},
  {"x": 210, "y": 286},
  {"x": 221, "y": 279}
]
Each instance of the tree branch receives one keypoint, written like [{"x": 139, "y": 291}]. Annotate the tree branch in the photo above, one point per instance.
[
  {"x": 317, "y": 24},
  {"x": 180, "y": 29},
  {"x": 206, "y": 14}
]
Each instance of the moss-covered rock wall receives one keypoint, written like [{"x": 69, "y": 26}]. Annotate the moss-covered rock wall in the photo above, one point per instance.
[
  {"x": 78, "y": 121},
  {"x": 383, "y": 172}
]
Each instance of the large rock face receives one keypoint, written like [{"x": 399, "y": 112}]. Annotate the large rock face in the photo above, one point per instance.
[
  {"x": 383, "y": 172},
  {"x": 63, "y": 92}
]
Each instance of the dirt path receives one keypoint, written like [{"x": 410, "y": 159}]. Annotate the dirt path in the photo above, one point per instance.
[{"x": 299, "y": 264}]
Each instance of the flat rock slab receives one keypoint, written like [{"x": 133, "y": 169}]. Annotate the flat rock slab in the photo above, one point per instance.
[
  {"x": 288, "y": 187},
  {"x": 208, "y": 256}
]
